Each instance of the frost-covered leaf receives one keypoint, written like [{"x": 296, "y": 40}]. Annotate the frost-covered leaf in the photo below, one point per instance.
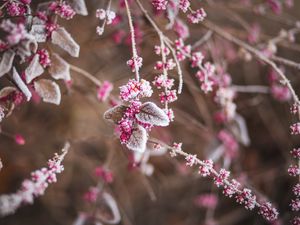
[
  {"x": 21, "y": 85},
  {"x": 48, "y": 90},
  {"x": 34, "y": 69},
  {"x": 115, "y": 114},
  {"x": 6, "y": 62},
  {"x": 4, "y": 92},
  {"x": 151, "y": 113},
  {"x": 59, "y": 68},
  {"x": 63, "y": 39},
  {"x": 112, "y": 213},
  {"x": 79, "y": 7},
  {"x": 38, "y": 32},
  {"x": 26, "y": 47},
  {"x": 138, "y": 139}
]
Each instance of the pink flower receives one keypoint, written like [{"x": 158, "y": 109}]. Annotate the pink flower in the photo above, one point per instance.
[
  {"x": 19, "y": 139},
  {"x": 229, "y": 142},
  {"x": 295, "y": 204},
  {"x": 44, "y": 57},
  {"x": 294, "y": 170},
  {"x": 205, "y": 169},
  {"x": 280, "y": 93},
  {"x": 208, "y": 201},
  {"x": 268, "y": 212},
  {"x": 91, "y": 195},
  {"x": 105, "y": 174},
  {"x": 296, "y": 153},
  {"x": 191, "y": 160},
  {"x": 168, "y": 96},
  {"x": 131, "y": 63},
  {"x": 62, "y": 9},
  {"x": 160, "y": 4},
  {"x": 134, "y": 89},
  {"x": 184, "y": 5},
  {"x": 295, "y": 128},
  {"x": 181, "y": 29},
  {"x": 198, "y": 16},
  {"x": 221, "y": 177},
  {"x": 296, "y": 190},
  {"x": 104, "y": 91}
]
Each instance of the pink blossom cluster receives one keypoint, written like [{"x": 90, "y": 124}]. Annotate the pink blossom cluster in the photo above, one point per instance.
[
  {"x": 279, "y": 91},
  {"x": 93, "y": 192},
  {"x": 182, "y": 51},
  {"x": 135, "y": 89},
  {"x": 181, "y": 29},
  {"x": 33, "y": 187},
  {"x": 105, "y": 174},
  {"x": 91, "y": 195},
  {"x": 104, "y": 91},
  {"x": 208, "y": 201},
  {"x": 197, "y": 16},
  {"x": 15, "y": 32},
  {"x": 135, "y": 63},
  {"x": 62, "y": 9},
  {"x": 231, "y": 187},
  {"x": 229, "y": 142},
  {"x": 44, "y": 57},
  {"x": 128, "y": 122},
  {"x": 107, "y": 15},
  {"x": 160, "y": 4},
  {"x": 17, "y": 8},
  {"x": 162, "y": 81},
  {"x": 184, "y": 5},
  {"x": 294, "y": 170}
]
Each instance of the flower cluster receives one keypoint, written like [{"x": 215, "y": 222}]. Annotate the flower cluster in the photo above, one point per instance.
[
  {"x": 229, "y": 142},
  {"x": 208, "y": 201},
  {"x": 62, "y": 9},
  {"x": 107, "y": 16},
  {"x": 279, "y": 91},
  {"x": 231, "y": 187},
  {"x": 106, "y": 175},
  {"x": 44, "y": 57},
  {"x": 104, "y": 90},
  {"x": 160, "y": 4},
  {"x": 135, "y": 89},
  {"x": 33, "y": 187},
  {"x": 17, "y": 8},
  {"x": 294, "y": 170},
  {"x": 197, "y": 16}
]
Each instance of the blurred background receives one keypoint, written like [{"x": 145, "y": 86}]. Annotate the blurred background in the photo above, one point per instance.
[{"x": 169, "y": 196}]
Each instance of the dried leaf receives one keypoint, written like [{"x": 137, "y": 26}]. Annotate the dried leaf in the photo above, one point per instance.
[
  {"x": 80, "y": 7},
  {"x": 63, "y": 39},
  {"x": 138, "y": 139},
  {"x": 151, "y": 113},
  {"x": 34, "y": 69},
  {"x": 59, "y": 68},
  {"x": 6, "y": 62},
  {"x": 48, "y": 90},
  {"x": 21, "y": 85},
  {"x": 115, "y": 114}
]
